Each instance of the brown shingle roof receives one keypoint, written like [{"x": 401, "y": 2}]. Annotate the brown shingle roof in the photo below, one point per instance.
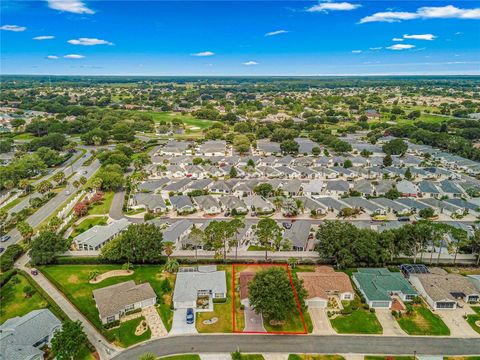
[
  {"x": 324, "y": 280},
  {"x": 112, "y": 299}
]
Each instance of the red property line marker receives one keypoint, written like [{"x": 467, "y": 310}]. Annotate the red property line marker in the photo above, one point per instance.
[{"x": 305, "y": 331}]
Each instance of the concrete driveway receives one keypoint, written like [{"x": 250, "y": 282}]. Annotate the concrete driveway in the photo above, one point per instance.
[
  {"x": 179, "y": 323},
  {"x": 389, "y": 324},
  {"x": 321, "y": 324},
  {"x": 456, "y": 323},
  {"x": 253, "y": 321}
]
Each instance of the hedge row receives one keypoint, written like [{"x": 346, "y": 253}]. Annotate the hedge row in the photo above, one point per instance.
[
  {"x": 9, "y": 257},
  {"x": 7, "y": 276}
]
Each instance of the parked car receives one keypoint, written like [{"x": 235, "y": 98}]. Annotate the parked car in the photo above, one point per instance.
[
  {"x": 34, "y": 271},
  {"x": 403, "y": 218},
  {"x": 226, "y": 214},
  {"x": 4, "y": 238},
  {"x": 287, "y": 225},
  {"x": 2, "y": 250},
  {"x": 190, "y": 316}
]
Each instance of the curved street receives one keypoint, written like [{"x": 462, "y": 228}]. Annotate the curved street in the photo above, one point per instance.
[{"x": 384, "y": 345}]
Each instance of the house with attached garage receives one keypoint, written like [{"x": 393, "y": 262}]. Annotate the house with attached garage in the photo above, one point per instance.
[
  {"x": 391, "y": 206},
  {"x": 177, "y": 232},
  {"x": 442, "y": 290},
  {"x": 379, "y": 286},
  {"x": 208, "y": 204},
  {"x": 407, "y": 188},
  {"x": 300, "y": 236},
  {"x": 117, "y": 300},
  {"x": 212, "y": 148},
  {"x": 22, "y": 337},
  {"x": 364, "y": 205},
  {"x": 152, "y": 185},
  {"x": 266, "y": 147},
  {"x": 96, "y": 237},
  {"x": 198, "y": 287},
  {"x": 258, "y": 204},
  {"x": 312, "y": 206},
  {"x": 325, "y": 283},
  {"x": 337, "y": 187},
  {"x": 152, "y": 202},
  {"x": 182, "y": 204},
  {"x": 232, "y": 203},
  {"x": 427, "y": 188}
]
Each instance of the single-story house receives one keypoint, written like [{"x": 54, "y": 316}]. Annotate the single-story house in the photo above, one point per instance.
[
  {"x": 152, "y": 202},
  {"x": 21, "y": 337},
  {"x": 195, "y": 283},
  {"x": 96, "y": 237},
  {"x": 258, "y": 203},
  {"x": 213, "y": 148},
  {"x": 231, "y": 203},
  {"x": 442, "y": 290},
  {"x": 324, "y": 283},
  {"x": 407, "y": 188},
  {"x": 182, "y": 203},
  {"x": 208, "y": 204},
  {"x": 299, "y": 235},
  {"x": 116, "y": 300},
  {"x": 378, "y": 285},
  {"x": 177, "y": 232},
  {"x": 337, "y": 187}
]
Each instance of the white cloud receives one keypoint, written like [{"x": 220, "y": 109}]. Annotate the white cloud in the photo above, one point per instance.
[
  {"x": 397, "y": 39},
  {"x": 73, "y": 6},
  {"x": 250, "y": 63},
  {"x": 204, "y": 53},
  {"x": 426, "y": 12},
  {"x": 277, "y": 32},
  {"x": 356, "y": 51},
  {"x": 333, "y": 6},
  {"x": 74, "y": 56},
  {"x": 376, "y": 48},
  {"x": 14, "y": 28},
  {"x": 44, "y": 37},
  {"x": 401, "y": 47},
  {"x": 89, "y": 42},
  {"x": 52, "y": 57},
  {"x": 428, "y": 37}
]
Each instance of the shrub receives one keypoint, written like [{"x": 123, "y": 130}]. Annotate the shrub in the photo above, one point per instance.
[
  {"x": 366, "y": 307},
  {"x": 112, "y": 324},
  {"x": 9, "y": 257},
  {"x": 372, "y": 310},
  {"x": 346, "y": 311},
  {"x": 134, "y": 311},
  {"x": 219, "y": 301},
  {"x": 166, "y": 287},
  {"x": 6, "y": 276}
]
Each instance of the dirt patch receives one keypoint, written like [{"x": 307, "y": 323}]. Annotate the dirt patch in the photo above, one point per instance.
[
  {"x": 110, "y": 274},
  {"x": 73, "y": 279}
]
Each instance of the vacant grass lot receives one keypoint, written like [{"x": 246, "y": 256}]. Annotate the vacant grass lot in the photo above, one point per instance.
[
  {"x": 223, "y": 311},
  {"x": 102, "y": 207},
  {"x": 73, "y": 281},
  {"x": 472, "y": 319},
  {"x": 359, "y": 321},
  {"x": 87, "y": 224},
  {"x": 188, "y": 120},
  {"x": 13, "y": 300},
  {"x": 422, "y": 322}
]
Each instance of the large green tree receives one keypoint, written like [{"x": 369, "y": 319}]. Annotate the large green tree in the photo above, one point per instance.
[
  {"x": 67, "y": 342},
  {"x": 140, "y": 243},
  {"x": 269, "y": 235},
  {"x": 45, "y": 247},
  {"x": 271, "y": 294}
]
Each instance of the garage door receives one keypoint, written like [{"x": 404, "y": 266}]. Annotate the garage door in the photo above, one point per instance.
[
  {"x": 381, "y": 304},
  {"x": 316, "y": 304},
  {"x": 445, "y": 305}
]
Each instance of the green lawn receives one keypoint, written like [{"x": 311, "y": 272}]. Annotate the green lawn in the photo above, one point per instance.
[
  {"x": 125, "y": 334},
  {"x": 102, "y": 207},
  {"x": 73, "y": 281},
  {"x": 24, "y": 136},
  {"x": 181, "y": 357},
  {"x": 472, "y": 319},
  {"x": 187, "y": 119},
  {"x": 255, "y": 248},
  {"x": 314, "y": 357},
  {"x": 13, "y": 203},
  {"x": 360, "y": 321},
  {"x": 422, "y": 322},
  {"x": 14, "y": 303},
  {"x": 222, "y": 311},
  {"x": 87, "y": 224}
]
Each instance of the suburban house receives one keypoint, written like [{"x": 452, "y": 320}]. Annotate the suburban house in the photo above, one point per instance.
[
  {"x": 407, "y": 188},
  {"x": 22, "y": 337},
  {"x": 182, "y": 204},
  {"x": 258, "y": 203},
  {"x": 230, "y": 203},
  {"x": 266, "y": 147},
  {"x": 213, "y": 148},
  {"x": 337, "y": 187},
  {"x": 152, "y": 202},
  {"x": 442, "y": 290},
  {"x": 208, "y": 204},
  {"x": 117, "y": 300},
  {"x": 299, "y": 235},
  {"x": 177, "y": 232},
  {"x": 379, "y": 286},
  {"x": 196, "y": 287},
  {"x": 96, "y": 237},
  {"x": 325, "y": 283}
]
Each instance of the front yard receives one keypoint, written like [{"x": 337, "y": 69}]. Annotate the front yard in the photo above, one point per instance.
[
  {"x": 102, "y": 207},
  {"x": 88, "y": 224},
  {"x": 355, "y": 319},
  {"x": 474, "y": 320},
  {"x": 73, "y": 281},
  {"x": 222, "y": 311},
  {"x": 421, "y": 321},
  {"x": 314, "y": 357}
]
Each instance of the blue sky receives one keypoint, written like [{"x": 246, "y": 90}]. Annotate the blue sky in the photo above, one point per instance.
[{"x": 239, "y": 37}]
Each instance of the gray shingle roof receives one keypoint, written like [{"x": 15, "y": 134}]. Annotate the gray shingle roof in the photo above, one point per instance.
[
  {"x": 99, "y": 234},
  {"x": 187, "y": 284}
]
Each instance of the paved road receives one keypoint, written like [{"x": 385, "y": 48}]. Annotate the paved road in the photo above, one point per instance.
[
  {"x": 304, "y": 344},
  {"x": 45, "y": 211},
  {"x": 103, "y": 347},
  {"x": 116, "y": 208}
]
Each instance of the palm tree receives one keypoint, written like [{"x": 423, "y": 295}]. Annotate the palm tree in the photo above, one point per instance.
[
  {"x": 168, "y": 248},
  {"x": 172, "y": 266},
  {"x": 59, "y": 177},
  {"x": 44, "y": 187}
]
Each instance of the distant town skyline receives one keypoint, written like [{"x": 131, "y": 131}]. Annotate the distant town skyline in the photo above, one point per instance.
[{"x": 233, "y": 38}]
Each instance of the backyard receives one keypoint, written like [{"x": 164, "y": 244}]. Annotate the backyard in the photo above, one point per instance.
[
  {"x": 356, "y": 319},
  {"x": 223, "y": 311},
  {"x": 73, "y": 281},
  {"x": 474, "y": 320},
  {"x": 419, "y": 320}
]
